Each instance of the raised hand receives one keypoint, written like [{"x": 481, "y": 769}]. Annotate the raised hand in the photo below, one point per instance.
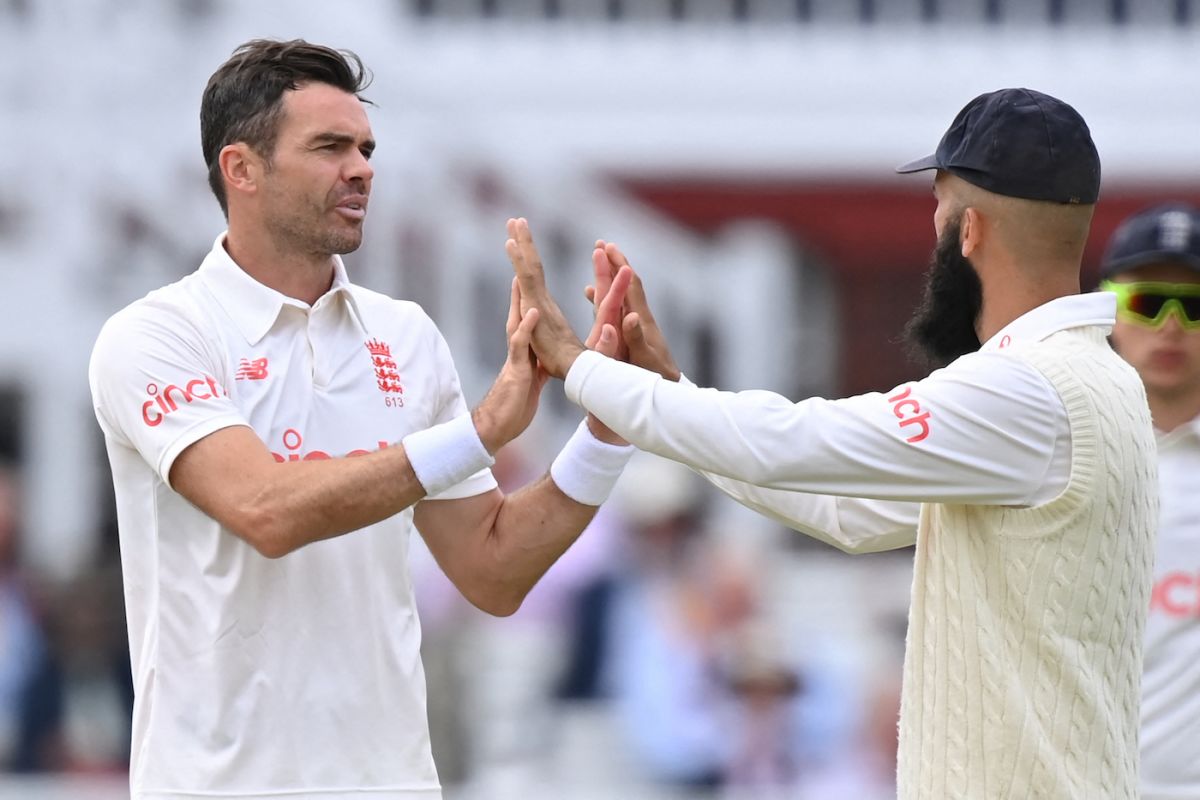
[
  {"x": 553, "y": 340},
  {"x": 642, "y": 341},
  {"x": 508, "y": 407}
]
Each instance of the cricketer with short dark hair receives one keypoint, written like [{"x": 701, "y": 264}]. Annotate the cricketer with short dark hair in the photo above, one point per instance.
[{"x": 276, "y": 434}]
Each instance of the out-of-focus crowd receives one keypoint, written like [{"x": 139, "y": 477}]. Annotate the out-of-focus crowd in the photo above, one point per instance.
[
  {"x": 663, "y": 653},
  {"x": 65, "y": 691}
]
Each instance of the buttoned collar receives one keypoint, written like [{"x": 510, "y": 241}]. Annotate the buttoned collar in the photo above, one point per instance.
[
  {"x": 254, "y": 306},
  {"x": 1073, "y": 311}
]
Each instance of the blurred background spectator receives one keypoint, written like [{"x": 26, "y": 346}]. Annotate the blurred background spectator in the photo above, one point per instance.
[
  {"x": 24, "y": 656},
  {"x": 740, "y": 151}
]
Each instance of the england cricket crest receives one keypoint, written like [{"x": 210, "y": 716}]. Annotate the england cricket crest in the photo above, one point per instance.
[{"x": 387, "y": 375}]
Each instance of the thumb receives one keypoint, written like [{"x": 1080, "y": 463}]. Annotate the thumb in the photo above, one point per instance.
[
  {"x": 632, "y": 328},
  {"x": 607, "y": 345},
  {"x": 519, "y": 342}
]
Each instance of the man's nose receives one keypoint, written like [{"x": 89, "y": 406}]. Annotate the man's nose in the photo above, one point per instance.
[
  {"x": 360, "y": 168},
  {"x": 1173, "y": 324}
]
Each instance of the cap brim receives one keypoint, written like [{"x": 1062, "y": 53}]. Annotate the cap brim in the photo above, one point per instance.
[
  {"x": 921, "y": 164},
  {"x": 1146, "y": 257}
]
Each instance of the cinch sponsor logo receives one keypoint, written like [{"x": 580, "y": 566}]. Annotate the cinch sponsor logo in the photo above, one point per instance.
[
  {"x": 167, "y": 401},
  {"x": 293, "y": 441},
  {"x": 1177, "y": 594},
  {"x": 909, "y": 412}
]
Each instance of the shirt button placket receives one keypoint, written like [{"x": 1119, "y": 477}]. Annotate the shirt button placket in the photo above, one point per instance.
[{"x": 317, "y": 324}]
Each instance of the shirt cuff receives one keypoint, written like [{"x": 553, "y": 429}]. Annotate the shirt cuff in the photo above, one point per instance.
[
  {"x": 615, "y": 374},
  {"x": 587, "y": 361}
]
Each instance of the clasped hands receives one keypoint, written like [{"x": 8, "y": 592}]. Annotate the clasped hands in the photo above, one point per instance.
[
  {"x": 624, "y": 326},
  {"x": 542, "y": 344}
]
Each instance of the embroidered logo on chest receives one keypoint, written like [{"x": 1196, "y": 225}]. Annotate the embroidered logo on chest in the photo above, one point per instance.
[{"x": 387, "y": 374}]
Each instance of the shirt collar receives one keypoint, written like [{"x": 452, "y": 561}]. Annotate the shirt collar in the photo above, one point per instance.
[
  {"x": 1188, "y": 430},
  {"x": 1073, "y": 311},
  {"x": 254, "y": 306}
]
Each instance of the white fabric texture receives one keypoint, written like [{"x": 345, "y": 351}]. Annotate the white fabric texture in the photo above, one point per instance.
[
  {"x": 1022, "y": 670},
  {"x": 298, "y": 676},
  {"x": 1024, "y": 656},
  {"x": 445, "y": 455},
  {"x": 587, "y": 469},
  {"x": 1171, "y": 678}
]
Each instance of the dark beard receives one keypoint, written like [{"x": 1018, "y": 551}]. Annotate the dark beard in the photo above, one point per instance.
[{"x": 943, "y": 326}]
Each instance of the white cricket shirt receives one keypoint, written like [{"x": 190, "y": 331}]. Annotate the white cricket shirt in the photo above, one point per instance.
[
  {"x": 1170, "y": 736},
  {"x": 853, "y": 472},
  {"x": 297, "y": 677},
  {"x": 1024, "y": 646}
]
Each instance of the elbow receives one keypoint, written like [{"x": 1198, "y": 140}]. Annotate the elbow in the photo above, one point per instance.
[
  {"x": 271, "y": 548},
  {"x": 262, "y": 530},
  {"x": 504, "y": 609},
  {"x": 498, "y": 601},
  {"x": 852, "y": 547},
  {"x": 759, "y": 470}
]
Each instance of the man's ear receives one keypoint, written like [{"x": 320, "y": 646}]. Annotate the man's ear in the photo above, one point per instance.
[
  {"x": 241, "y": 168},
  {"x": 970, "y": 234}
]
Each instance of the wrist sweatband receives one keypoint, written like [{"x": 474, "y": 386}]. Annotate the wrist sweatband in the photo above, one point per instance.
[
  {"x": 586, "y": 469},
  {"x": 446, "y": 454}
]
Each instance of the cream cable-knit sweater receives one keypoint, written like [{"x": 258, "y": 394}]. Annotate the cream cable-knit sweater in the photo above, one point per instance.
[{"x": 1023, "y": 664}]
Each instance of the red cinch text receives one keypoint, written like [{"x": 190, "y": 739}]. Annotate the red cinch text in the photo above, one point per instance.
[
  {"x": 167, "y": 401},
  {"x": 1177, "y": 594},
  {"x": 909, "y": 412},
  {"x": 292, "y": 442}
]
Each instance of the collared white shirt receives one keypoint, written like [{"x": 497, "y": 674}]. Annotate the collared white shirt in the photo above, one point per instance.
[
  {"x": 1170, "y": 734},
  {"x": 254, "y": 678},
  {"x": 987, "y": 429}
]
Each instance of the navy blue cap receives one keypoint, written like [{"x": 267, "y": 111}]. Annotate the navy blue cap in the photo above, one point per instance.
[
  {"x": 1020, "y": 143},
  {"x": 1163, "y": 234}
]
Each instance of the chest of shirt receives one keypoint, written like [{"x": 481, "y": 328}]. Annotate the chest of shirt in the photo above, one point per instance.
[
  {"x": 319, "y": 386},
  {"x": 1175, "y": 599}
]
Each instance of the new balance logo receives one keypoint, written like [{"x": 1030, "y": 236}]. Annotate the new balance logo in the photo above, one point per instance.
[{"x": 251, "y": 369}]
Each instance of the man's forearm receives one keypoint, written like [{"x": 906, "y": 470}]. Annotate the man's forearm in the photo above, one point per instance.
[
  {"x": 279, "y": 508},
  {"x": 297, "y": 503},
  {"x": 532, "y": 529}
]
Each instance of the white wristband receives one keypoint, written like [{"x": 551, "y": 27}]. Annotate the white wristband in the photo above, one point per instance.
[
  {"x": 586, "y": 469},
  {"x": 446, "y": 454}
]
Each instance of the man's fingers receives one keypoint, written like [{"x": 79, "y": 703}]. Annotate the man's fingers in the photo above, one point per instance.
[
  {"x": 615, "y": 255},
  {"x": 609, "y": 310},
  {"x": 526, "y": 262},
  {"x": 603, "y": 273},
  {"x": 529, "y": 253},
  {"x": 519, "y": 341},
  {"x": 589, "y": 292},
  {"x": 631, "y": 327},
  {"x": 610, "y": 306},
  {"x": 514, "y": 309},
  {"x": 635, "y": 297},
  {"x": 514, "y": 255},
  {"x": 607, "y": 344}
]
